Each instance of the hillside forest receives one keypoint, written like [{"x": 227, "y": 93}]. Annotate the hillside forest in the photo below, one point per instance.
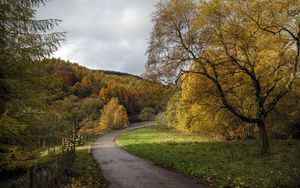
[
  {"x": 54, "y": 97},
  {"x": 46, "y": 99}
]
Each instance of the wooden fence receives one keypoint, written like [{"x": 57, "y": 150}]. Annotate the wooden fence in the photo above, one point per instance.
[
  {"x": 47, "y": 175},
  {"x": 69, "y": 143},
  {"x": 44, "y": 175}
]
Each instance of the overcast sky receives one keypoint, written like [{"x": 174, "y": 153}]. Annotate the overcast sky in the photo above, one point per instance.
[{"x": 103, "y": 34}]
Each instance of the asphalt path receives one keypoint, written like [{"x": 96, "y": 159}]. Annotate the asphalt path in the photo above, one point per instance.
[{"x": 124, "y": 170}]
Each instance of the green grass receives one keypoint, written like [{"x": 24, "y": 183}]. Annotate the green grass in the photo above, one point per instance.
[{"x": 223, "y": 164}]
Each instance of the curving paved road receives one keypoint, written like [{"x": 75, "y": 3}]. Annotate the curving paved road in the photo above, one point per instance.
[{"x": 124, "y": 170}]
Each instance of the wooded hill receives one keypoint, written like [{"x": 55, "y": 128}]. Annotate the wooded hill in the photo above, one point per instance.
[{"x": 50, "y": 98}]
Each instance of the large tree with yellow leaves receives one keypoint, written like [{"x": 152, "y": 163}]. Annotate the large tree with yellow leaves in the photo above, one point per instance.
[{"x": 248, "y": 50}]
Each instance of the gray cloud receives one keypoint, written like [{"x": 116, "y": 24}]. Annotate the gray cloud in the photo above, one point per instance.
[{"x": 103, "y": 34}]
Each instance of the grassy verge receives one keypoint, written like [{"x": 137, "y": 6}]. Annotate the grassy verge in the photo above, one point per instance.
[
  {"x": 223, "y": 164},
  {"x": 85, "y": 172}
]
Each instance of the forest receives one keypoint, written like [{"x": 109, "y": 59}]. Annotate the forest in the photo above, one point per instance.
[
  {"x": 44, "y": 100},
  {"x": 51, "y": 96},
  {"x": 219, "y": 71}
]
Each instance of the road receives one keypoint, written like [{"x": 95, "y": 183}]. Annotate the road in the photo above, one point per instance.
[{"x": 124, "y": 170}]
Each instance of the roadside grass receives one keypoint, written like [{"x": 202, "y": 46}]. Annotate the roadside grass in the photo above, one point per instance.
[
  {"x": 84, "y": 172},
  {"x": 222, "y": 164}
]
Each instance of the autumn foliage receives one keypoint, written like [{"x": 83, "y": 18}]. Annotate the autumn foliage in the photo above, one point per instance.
[
  {"x": 246, "y": 52},
  {"x": 113, "y": 116}
]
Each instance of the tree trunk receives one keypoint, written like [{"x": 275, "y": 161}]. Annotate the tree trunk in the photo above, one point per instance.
[{"x": 264, "y": 139}]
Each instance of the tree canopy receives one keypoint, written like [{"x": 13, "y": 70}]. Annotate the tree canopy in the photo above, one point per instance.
[{"x": 228, "y": 44}]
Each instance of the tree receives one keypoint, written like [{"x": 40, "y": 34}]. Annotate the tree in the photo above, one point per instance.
[
  {"x": 73, "y": 110},
  {"x": 23, "y": 39},
  {"x": 22, "y": 36},
  {"x": 104, "y": 94},
  {"x": 79, "y": 91},
  {"x": 198, "y": 112},
  {"x": 228, "y": 44},
  {"x": 85, "y": 82},
  {"x": 66, "y": 74},
  {"x": 113, "y": 116},
  {"x": 285, "y": 119},
  {"x": 90, "y": 107}
]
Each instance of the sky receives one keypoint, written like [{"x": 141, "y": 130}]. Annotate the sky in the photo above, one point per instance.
[{"x": 103, "y": 34}]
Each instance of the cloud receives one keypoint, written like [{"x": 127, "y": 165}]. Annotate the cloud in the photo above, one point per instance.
[{"x": 103, "y": 34}]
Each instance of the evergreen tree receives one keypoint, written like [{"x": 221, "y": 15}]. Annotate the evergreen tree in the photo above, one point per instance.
[{"x": 23, "y": 41}]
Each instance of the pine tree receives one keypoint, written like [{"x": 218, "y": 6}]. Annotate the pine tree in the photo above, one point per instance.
[{"x": 23, "y": 41}]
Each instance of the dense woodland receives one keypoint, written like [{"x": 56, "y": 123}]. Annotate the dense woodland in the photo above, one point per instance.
[
  {"x": 55, "y": 96},
  {"x": 43, "y": 100}
]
